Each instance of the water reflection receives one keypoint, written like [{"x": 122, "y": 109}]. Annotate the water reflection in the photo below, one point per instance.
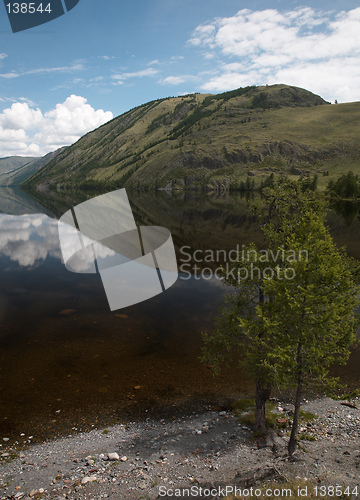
[
  {"x": 28, "y": 239},
  {"x": 347, "y": 209},
  {"x": 62, "y": 349}
]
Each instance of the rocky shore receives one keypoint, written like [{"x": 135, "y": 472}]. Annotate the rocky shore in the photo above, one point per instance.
[{"x": 166, "y": 458}]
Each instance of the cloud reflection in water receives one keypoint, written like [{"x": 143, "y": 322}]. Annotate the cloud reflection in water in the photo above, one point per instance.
[{"x": 30, "y": 239}]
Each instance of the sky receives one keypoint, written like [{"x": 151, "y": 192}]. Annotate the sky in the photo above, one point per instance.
[{"x": 66, "y": 77}]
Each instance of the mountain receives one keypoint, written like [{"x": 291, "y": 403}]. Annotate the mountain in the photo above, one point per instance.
[
  {"x": 209, "y": 142},
  {"x": 21, "y": 168},
  {"x": 11, "y": 163}
]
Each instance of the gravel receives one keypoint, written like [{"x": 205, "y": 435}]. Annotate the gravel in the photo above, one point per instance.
[{"x": 133, "y": 461}]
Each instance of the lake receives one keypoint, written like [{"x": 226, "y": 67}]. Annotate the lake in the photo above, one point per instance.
[{"x": 68, "y": 363}]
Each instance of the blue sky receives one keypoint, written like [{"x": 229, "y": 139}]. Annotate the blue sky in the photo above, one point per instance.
[{"x": 68, "y": 76}]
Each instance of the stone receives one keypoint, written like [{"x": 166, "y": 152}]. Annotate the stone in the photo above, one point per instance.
[
  {"x": 88, "y": 479},
  {"x": 124, "y": 458},
  {"x": 113, "y": 456},
  {"x": 6, "y": 440}
]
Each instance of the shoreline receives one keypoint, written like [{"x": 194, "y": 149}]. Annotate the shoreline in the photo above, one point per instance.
[{"x": 130, "y": 461}]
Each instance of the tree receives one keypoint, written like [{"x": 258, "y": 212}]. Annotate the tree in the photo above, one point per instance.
[
  {"x": 346, "y": 186},
  {"x": 315, "y": 312},
  {"x": 293, "y": 317},
  {"x": 239, "y": 329}
]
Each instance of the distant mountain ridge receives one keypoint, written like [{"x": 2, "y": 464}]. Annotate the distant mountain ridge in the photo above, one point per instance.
[
  {"x": 15, "y": 170},
  {"x": 204, "y": 141},
  {"x": 11, "y": 163}
]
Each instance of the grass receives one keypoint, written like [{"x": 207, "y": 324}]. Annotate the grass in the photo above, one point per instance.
[
  {"x": 305, "y": 436},
  {"x": 244, "y": 409}
]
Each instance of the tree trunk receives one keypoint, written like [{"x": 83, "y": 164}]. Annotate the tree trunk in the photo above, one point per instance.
[
  {"x": 292, "y": 441},
  {"x": 262, "y": 395}
]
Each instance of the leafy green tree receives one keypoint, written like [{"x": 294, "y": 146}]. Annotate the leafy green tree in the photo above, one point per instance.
[
  {"x": 312, "y": 315},
  {"x": 346, "y": 186},
  {"x": 308, "y": 183},
  {"x": 293, "y": 317},
  {"x": 239, "y": 328}
]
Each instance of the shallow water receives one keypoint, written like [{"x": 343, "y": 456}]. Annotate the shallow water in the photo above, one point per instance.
[{"x": 68, "y": 362}]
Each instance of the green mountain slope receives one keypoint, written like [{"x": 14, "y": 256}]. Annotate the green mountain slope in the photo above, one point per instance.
[
  {"x": 19, "y": 175},
  {"x": 209, "y": 142}
]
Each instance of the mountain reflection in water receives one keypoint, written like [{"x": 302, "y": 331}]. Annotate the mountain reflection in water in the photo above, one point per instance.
[{"x": 62, "y": 349}]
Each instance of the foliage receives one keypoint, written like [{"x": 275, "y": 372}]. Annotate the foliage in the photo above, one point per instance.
[
  {"x": 293, "y": 316},
  {"x": 269, "y": 182},
  {"x": 308, "y": 183},
  {"x": 346, "y": 186}
]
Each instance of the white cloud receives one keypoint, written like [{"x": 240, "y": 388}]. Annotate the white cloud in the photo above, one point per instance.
[
  {"x": 39, "y": 71},
  {"x": 303, "y": 47},
  {"x": 20, "y": 116},
  {"x": 173, "y": 80},
  {"x": 28, "y": 131},
  {"x": 60, "y": 69},
  {"x": 135, "y": 74},
  {"x": 10, "y": 75},
  {"x": 2, "y": 56}
]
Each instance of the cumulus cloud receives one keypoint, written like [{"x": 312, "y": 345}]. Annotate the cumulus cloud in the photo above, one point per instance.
[
  {"x": 27, "y": 131},
  {"x": 303, "y": 47}
]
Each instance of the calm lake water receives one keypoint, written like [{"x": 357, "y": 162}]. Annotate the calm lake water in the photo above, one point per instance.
[{"x": 68, "y": 363}]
